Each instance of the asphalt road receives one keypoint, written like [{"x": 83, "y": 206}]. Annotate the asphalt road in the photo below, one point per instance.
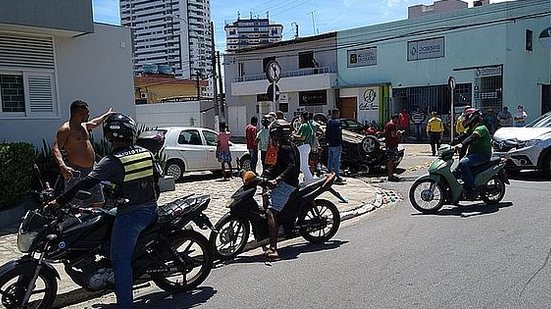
[{"x": 475, "y": 256}]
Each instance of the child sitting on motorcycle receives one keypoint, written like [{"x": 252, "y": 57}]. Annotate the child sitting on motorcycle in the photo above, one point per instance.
[
  {"x": 477, "y": 139},
  {"x": 283, "y": 178}
]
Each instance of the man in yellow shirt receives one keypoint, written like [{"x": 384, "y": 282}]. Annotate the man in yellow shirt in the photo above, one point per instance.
[
  {"x": 460, "y": 129},
  {"x": 435, "y": 130}
]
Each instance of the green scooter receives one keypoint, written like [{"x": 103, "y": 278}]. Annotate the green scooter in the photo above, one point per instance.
[{"x": 441, "y": 185}]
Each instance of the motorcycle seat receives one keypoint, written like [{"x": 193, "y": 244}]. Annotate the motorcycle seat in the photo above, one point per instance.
[
  {"x": 486, "y": 165},
  {"x": 305, "y": 185}
]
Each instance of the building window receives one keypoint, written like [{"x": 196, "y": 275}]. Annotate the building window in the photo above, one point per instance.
[
  {"x": 12, "y": 93},
  {"x": 529, "y": 37},
  {"x": 306, "y": 60},
  {"x": 265, "y": 63}
]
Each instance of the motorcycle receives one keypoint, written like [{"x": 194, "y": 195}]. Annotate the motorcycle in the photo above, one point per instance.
[
  {"x": 171, "y": 254},
  {"x": 441, "y": 186},
  {"x": 316, "y": 220}
]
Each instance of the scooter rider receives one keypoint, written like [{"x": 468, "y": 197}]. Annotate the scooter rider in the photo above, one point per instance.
[
  {"x": 283, "y": 178},
  {"x": 477, "y": 139},
  {"x": 132, "y": 169}
]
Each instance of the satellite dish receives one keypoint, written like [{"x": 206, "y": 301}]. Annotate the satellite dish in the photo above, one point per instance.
[{"x": 545, "y": 38}]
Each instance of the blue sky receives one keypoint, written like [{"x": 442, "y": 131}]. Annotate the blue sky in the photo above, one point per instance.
[{"x": 329, "y": 15}]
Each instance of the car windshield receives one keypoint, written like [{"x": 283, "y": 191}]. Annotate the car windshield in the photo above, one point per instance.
[{"x": 543, "y": 121}]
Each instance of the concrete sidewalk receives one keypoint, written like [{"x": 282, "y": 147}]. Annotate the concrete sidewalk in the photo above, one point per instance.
[{"x": 361, "y": 197}]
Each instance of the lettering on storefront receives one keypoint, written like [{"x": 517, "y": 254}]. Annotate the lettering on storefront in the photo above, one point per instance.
[
  {"x": 368, "y": 104},
  {"x": 488, "y": 71},
  {"x": 426, "y": 49},
  {"x": 310, "y": 98},
  {"x": 362, "y": 57}
]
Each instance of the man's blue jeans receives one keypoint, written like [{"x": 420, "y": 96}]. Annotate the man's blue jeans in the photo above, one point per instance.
[
  {"x": 467, "y": 163},
  {"x": 126, "y": 230},
  {"x": 254, "y": 159},
  {"x": 418, "y": 131},
  {"x": 334, "y": 160}
]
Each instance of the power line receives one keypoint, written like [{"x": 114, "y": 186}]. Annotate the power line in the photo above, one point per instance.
[{"x": 292, "y": 7}]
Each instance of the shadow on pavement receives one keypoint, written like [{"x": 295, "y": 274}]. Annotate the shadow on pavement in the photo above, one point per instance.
[
  {"x": 167, "y": 300},
  {"x": 290, "y": 252},
  {"x": 467, "y": 211},
  {"x": 527, "y": 176}
]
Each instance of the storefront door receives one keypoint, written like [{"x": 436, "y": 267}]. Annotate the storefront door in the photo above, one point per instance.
[{"x": 348, "y": 107}]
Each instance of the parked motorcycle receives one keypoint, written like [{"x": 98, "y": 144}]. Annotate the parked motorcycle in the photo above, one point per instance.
[
  {"x": 168, "y": 252},
  {"x": 315, "y": 219},
  {"x": 441, "y": 185}
]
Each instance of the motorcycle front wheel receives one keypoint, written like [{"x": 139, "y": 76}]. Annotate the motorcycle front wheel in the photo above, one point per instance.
[
  {"x": 195, "y": 253},
  {"x": 320, "y": 222},
  {"x": 231, "y": 239},
  {"x": 426, "y": 196},
  {"x": 14, "y": 283},
  {"x": 494, "y": 191}
]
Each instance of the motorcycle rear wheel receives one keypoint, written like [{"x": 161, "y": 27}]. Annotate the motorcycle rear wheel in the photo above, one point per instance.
[
  {"x": 231, "y": 239},
  {"x": 13, "y": 285},
  {"x": 429, "y": 199},
  {"x": 196, "y": 252},
  {"x": 320, "y": 222},
  {"x": 494, "y": 191}
]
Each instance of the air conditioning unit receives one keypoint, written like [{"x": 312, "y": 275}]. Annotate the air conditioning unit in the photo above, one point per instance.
[{"x": 143, "y": 95}]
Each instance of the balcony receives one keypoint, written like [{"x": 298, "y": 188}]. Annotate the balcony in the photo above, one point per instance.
[{"x": 291, "y": 81}]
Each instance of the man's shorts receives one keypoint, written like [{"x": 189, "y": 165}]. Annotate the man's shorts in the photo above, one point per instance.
[
  {"x": 392, "y": 153},
  {"x": 78, "y": 174},
  {"x": 224, "y": 157},
  {"x": 280, "y": 195}
]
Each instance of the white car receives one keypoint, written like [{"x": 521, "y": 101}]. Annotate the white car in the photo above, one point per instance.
[
  {"x": 527, "y": 147},
  {"x": 192, "y": 149}
]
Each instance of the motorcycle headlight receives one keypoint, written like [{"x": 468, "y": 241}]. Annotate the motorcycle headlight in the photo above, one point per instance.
[
  {"x": 25, "y": 240},
  {"x": 528, "y": 143}
]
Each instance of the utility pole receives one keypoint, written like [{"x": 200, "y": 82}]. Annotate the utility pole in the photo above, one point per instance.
[
  {"x": 198, "y": 76},
  {"x": 220, "y": 89},
  {"x": 215, "y": 91}
]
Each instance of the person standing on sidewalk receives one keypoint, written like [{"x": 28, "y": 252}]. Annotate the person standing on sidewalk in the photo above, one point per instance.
[
  {"x": 392, "y": 137},
  {"x": 74, "y": 137},
  {"x": 134, "y": 171},
  {"x": 263, "y": 140},
  {"x": 504, "y": 117},
  {"x": 303, "y": 140},
  {"x": 460, "y": 129},
  {"x": 520, "y": 116},
  {"x": 403, "y": 122},
  {"x": 435, "y": 129},
  {"x": 418, "y": 118},
  {"x": 223, "y": 153},
  {"x": 333, "y": 136},
  {"x": 250, "y": 135}
]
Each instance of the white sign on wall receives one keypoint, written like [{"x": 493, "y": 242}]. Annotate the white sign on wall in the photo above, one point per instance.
[
  {"x": 426, "y": 49},
  {"x": 368, "y": 104}
]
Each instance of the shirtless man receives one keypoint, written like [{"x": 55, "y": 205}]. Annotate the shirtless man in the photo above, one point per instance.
[{"x": 74, "y": 137}]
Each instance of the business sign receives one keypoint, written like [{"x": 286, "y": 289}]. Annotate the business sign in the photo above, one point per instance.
[
  {"x": 362, "y": 57},
  {"x": 368, "y": 104},
  {"x": 309, "y": 98},
  {"x": 488, "y": 71},
  {"x": 426, "y": 49}
]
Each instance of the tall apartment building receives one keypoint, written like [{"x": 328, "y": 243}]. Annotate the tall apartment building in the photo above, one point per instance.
[
  {"x": 245, "y": 33},
  {"x": 172, "y": 34}
]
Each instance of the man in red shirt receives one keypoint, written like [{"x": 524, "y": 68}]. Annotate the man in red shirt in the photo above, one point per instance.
[
  {"x": 392, "y": 137},
  {"x": 250, "y": 134},
  {"x": 403, "y": 121}
]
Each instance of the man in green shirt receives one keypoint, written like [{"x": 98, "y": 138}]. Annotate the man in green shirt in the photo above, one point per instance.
[
  {"x": 303, "y": 139},
  {"x": 477, "y": 139}
]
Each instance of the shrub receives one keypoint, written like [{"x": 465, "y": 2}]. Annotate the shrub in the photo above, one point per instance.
[{"x": 16, "y": 162}]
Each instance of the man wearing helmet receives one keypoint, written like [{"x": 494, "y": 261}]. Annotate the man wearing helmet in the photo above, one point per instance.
[
  {"x": 283, "y": 177},
  {"x": 477, "y": 139},
  {"x": 132, "y": 169}
]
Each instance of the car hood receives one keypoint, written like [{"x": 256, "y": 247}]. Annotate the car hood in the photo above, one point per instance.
[{"x": 522, "y": 134}]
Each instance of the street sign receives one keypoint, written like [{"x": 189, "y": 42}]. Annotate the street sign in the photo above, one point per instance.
[
  {"x": 270, "y": 92},
  {"x": 273, "y": 71},
  {"x": 451, "y": 83}
]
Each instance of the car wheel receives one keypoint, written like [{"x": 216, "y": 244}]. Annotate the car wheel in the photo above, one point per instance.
[
  {"x": 369, "y": 144},
  {"x": 175, "y": 168},
  {"x": 245, "y": 163}
]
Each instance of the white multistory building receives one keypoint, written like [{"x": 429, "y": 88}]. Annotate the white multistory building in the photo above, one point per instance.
[{"x": 170, "y": 36}]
